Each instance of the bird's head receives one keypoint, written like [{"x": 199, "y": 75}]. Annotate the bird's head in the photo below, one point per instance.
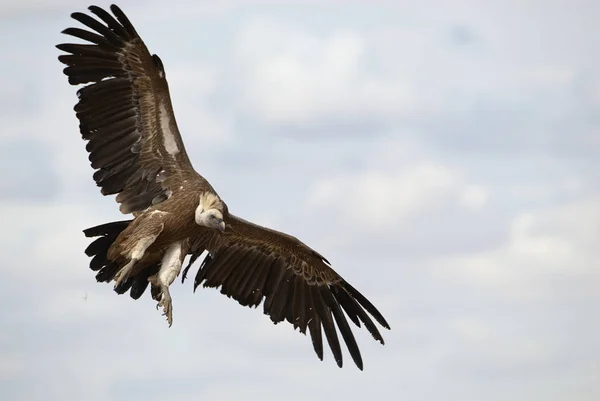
[{"x": 209, "y": 212}]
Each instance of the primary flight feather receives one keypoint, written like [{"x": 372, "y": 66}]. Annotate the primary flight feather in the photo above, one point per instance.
[{"x": 126, "y": 117}]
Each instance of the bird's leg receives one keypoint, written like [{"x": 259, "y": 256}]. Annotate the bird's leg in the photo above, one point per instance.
[
  {"x": 169, "y": 270},
  {"x": 136, "y": 254}
]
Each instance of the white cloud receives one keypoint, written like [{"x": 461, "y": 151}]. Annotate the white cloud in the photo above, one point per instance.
[
  {"x": 547, "y": 252},
  {"x": 475, "y": 196},
  {"x": 291, "y": 75},
  {"x": 152, "y": 9},
  {"x": 9, "y": 8},
  {"x": 378, "y": 200}
]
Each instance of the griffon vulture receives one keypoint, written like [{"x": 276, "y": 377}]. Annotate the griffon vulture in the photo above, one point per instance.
[{"x": 135, "y": 148}]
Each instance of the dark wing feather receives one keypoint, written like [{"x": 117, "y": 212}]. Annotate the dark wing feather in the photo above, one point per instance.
[
  {"x": 125, "y": 113},
  {"x": 253, "y": 263}
]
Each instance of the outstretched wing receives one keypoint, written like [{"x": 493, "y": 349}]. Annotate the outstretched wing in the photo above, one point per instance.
[
  {"x": 252, "y": 263},
  {"x": 125, "y": 114}
]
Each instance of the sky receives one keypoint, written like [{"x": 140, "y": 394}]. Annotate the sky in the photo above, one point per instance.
[{"x": 442, "y": 155}]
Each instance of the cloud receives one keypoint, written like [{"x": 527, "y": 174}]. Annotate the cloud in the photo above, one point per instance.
[
  {"x": 26, "y": 178},
  {"x": 18, "y": 8},
  {"x": 376, "y": 200},
  {"x": 404, "y": 198},
  {"x": 290, "y": 75},
  {"x": 547, "y": 253},
  {"x": 11, "y": 9}
]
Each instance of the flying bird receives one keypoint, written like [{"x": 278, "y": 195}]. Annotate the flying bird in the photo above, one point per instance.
[{"x": 136, "y": 150}]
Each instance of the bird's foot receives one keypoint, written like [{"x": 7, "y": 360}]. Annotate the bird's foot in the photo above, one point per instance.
[
  {"x": 124, "y": 273},
  {"x": 167, "y": 304},
  {"x": 165, "y": 298}
]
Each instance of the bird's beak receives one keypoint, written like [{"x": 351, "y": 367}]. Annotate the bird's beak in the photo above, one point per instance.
[{"x": 222, "y": 226}]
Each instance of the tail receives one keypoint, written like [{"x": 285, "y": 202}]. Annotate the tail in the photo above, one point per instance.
[{"x": 107, "y": 269}]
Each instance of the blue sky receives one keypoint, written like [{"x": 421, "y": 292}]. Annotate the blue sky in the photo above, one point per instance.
[{"x": 442, "y": 155}]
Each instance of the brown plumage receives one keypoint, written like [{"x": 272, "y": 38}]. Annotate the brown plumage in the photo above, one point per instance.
[{"x": 134, "y": 145}]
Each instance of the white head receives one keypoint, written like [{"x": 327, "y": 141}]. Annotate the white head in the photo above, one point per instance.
[{"x": 209, "y": 212}]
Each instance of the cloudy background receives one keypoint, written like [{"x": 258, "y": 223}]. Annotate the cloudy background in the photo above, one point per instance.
[{"x": 443, "y": 155}]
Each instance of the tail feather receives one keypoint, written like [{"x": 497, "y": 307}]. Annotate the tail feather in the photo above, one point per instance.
[
  {"x": 140, "y": 281},
  {"x": 107, "y": 228},
  {"x": 107, "y": 269},
  {"x": 107, "y": 272}
]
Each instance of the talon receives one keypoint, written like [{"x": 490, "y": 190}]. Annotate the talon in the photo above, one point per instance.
[
  {"x": 166, "y": 303},
  {"x": 123, "y": 274}
]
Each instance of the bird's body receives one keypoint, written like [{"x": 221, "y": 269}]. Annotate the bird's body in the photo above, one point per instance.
[{"x": 134, "y": 145}]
